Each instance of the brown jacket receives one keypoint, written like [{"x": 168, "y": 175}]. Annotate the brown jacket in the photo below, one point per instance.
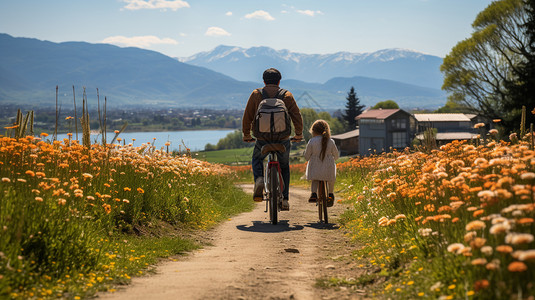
[{"x": 252, "y": 106}]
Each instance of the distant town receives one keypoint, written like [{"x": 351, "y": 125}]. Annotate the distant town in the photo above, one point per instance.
[{"x": 138, "y": 119}]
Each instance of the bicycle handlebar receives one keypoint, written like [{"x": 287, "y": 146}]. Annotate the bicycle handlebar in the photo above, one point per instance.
[{"x": 293, "y": 140}]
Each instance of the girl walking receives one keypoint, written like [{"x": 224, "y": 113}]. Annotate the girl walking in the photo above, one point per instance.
[{"x": 321, "y": 153}]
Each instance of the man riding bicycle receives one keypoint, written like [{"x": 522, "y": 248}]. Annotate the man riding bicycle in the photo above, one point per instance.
[{"x": 271, "y": 89}]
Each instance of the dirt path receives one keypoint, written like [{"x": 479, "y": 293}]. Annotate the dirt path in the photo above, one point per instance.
[{"x": 252, "y": 259}]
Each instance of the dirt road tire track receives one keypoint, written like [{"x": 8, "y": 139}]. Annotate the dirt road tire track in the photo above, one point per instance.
[{"x": 252, "y": 259}]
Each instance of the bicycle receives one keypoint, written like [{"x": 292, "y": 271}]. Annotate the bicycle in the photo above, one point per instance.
[
  {"x": 322, "y": 202},
  {"x": 273, "y": 183}
]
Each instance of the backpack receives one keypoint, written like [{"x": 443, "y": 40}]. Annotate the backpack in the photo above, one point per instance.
[{"x": 272, "y": 121}]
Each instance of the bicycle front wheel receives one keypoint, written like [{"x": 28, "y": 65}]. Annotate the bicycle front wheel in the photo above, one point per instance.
[{"x": 274, "y": 198}]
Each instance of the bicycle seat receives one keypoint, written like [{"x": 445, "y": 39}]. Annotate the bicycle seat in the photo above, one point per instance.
[{"x": 273, "y": 148}]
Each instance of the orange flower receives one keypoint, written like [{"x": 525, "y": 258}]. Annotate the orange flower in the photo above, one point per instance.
[
  {"x": 475, "y": 225},
  {"x": 107, "y": 208},
  {"x": 525, "y": 221},
  {"x": 517, "y": 266},
  {"x": 478, "y": 242},
  {"x": 478, "y": 213},
  {"x": 30, "y": 173},
  {"x": 479, "y": 262},
  {"x": 44, "y": 134},
  {"x": 140, "y": 190},
  {"x": 504, "y": 249},
  {"x": 481, "y": 284}
]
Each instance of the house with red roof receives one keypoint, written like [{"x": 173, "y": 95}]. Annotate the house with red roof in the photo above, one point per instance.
[{"x": 382, "y": 130}]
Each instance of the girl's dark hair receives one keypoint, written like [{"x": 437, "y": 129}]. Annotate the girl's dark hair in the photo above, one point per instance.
[{"x": 321, "y": 127}]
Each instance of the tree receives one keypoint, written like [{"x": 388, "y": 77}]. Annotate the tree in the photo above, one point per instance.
[
  {"x": 387, "y": 104},
  {"x": 353, "y": 109},
  {"x": 522, "y": 90},
  {"x": 310, "y": 115},
  {"x": 453, "y": 107},
  {"x": 480, "y": 70}
]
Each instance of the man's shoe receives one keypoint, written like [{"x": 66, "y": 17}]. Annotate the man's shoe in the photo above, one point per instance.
[
  {"x": 313, "y": 198},
  {"x": 285, "y": 205},
  {"x": 330, "y": 200},
  {"x": 258, "y": 189}
]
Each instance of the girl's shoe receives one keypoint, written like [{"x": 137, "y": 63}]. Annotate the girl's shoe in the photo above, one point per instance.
[
  {"x": 313, "y": 198},
  {"x": 330, "y": 200}
]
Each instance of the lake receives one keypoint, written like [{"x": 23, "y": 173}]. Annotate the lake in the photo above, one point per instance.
[{"x": 193, "y": 139}]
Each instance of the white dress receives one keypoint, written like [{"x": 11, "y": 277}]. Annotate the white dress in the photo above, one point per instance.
[{"x": 316, "y": 168}]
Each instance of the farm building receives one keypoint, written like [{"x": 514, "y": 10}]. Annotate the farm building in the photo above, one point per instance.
[
  {"x": 383, "y": 129},
  {"x": 348, "y": 142}
]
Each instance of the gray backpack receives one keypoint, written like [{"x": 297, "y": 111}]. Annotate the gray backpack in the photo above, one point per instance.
[{"x": 272, "y": 121}]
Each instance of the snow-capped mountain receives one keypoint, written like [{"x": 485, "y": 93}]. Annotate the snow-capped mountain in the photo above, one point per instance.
[{"x": 247, "y": 64}]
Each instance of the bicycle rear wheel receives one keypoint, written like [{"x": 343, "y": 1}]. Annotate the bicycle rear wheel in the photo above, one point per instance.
[
  {"x": 274, "y": 196},
  {"x": 322, "y": 202}
]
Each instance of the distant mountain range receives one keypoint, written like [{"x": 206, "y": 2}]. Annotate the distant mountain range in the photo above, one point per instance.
[
  {"x": 247, "y": 64},
  {"x": 30, "y": 69}
]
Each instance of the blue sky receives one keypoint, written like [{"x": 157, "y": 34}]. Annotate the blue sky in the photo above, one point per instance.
[{"x": 181, "y": 28}]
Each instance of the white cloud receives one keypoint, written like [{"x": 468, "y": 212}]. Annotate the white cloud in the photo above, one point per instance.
[
  {"x": 260, "y": 14},
  {"x": 155, "y": 4},
  {"x": 216, "y": 31},
  {"x": 309, "y": 12},
  {"x": 229, "y": 13},
  {"x": 138, "y": 41}
]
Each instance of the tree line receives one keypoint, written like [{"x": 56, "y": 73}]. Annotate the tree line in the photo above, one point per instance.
[{"x": 492, "y": 72}]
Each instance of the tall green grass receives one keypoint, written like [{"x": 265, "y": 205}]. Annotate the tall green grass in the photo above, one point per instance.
[{"x": 69, "y": 213}]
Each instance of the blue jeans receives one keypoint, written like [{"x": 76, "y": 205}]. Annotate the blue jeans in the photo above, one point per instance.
[{"x": 284, "y": 161}]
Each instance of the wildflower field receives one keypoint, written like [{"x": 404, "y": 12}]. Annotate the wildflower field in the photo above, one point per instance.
[
  {"x": 75, "y": 219},
  {"x": 454, "y": 223}
]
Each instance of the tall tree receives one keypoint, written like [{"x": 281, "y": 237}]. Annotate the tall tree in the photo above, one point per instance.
[
  {"x": 522, "y": 90},
  {"x": 480, "y": 70},
  {"x": 353, "y": 109}
]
